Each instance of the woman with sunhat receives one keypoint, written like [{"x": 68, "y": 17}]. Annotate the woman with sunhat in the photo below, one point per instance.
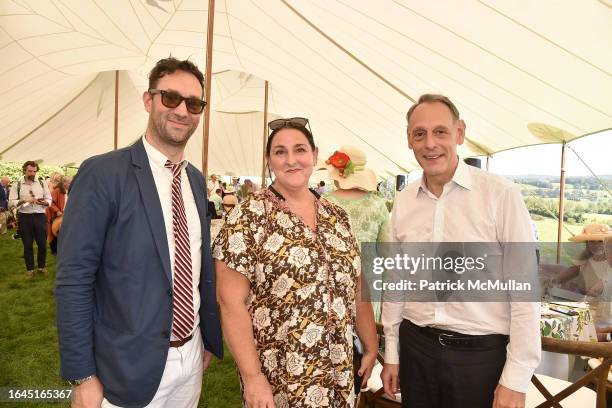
[
  {"x": 355, "y": 193},
  {"x": 593, "y": 271},
  {"x": 591, "y": 268}
]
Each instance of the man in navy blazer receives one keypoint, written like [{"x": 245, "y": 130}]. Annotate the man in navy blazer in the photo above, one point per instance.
[{"x": 117, "y": 282}]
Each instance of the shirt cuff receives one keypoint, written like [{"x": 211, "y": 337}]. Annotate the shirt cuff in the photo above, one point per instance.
[
  {"x": 391, "y": 352},
  {"x": 517, "y": 377}
]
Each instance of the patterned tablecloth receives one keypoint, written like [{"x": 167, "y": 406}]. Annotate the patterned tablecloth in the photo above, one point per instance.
[{"x": 570, "y": 321}]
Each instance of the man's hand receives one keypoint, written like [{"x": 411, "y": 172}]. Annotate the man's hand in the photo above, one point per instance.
[
  {"x": 206, "y": 358},
  {"x": 87, "y": 395},
  {"x": 507, "y": 398},
  {"x": 367, "y": 363},
  {"x": 258, "y": 392},
  {"x": 390, "y": 379}
]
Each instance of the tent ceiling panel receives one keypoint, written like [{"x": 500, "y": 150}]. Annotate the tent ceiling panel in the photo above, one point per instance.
[
  {"x": 27, "y": 113},
  {"x": 22, "y": 26},
  {"x": 60, "y": 43},
  {"x": 352, "y": 67}
]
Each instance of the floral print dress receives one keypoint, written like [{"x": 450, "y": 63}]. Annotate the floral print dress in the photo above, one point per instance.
[{"x": 302, "y": 296}]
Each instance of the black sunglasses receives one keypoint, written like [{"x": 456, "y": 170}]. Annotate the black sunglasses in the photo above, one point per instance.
[
  {"x": 279, "y": 123},
  {"x": 171, "y": 99}
]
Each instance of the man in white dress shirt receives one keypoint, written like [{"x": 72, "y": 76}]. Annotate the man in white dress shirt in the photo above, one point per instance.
[{"x": 490, "y": 349}]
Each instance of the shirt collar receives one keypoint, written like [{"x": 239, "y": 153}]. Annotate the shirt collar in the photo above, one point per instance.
[
  {"x": 24, "y": 180},
  {"x": 462, "y": 177},
  {"x": 157, "y": 158}
]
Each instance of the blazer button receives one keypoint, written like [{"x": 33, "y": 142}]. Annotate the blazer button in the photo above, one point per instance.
[
  {"x": 170, "y": 292},
  {"x": 166, "y": 334}
]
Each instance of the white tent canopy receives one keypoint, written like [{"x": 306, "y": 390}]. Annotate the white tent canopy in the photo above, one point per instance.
[{"x": 352, "y": 67}]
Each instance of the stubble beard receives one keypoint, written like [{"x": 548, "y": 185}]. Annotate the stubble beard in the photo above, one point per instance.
[{"x": 164, "y": 135}]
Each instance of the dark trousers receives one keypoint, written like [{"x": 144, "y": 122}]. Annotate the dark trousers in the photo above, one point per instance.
[
  {"x": 53, "y": 245},
  {"x": 33, "y": 227},
  {"x": 433, "y": 375}
]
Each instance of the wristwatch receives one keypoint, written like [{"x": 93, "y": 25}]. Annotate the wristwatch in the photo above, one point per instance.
[{"x": 76, "y": 383}]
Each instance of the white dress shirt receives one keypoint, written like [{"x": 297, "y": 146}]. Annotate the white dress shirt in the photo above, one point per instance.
[
  {"x": 163, "y": 182},
  {"x": 29, "y": 189},
  {"x": 475, "y": 206}
]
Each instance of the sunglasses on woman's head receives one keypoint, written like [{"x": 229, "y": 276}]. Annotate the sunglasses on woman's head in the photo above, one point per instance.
[
  {"x": 172, "y": 99},
  {"x": 279, "y": 123}
]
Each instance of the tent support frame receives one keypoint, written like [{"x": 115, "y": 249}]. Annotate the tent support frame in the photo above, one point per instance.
[
  {"x": 208, "y": 83},
  {"x": 264, "y": 138},
  {"x": 561, "y": 204}
]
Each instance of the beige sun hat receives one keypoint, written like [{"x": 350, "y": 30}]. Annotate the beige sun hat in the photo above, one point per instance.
[
  {"x": 593, "y": 232},
  {"x": 230, "y": 199},
  {"x": 347, "y": 167}
]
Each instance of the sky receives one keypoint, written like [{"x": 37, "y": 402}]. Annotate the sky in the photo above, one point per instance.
[{"x": 595, "y": 150}]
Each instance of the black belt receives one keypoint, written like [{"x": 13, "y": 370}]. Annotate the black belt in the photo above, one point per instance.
[
  {"x": 179, "y": 343},
  {"x": 454, "y": 339}
]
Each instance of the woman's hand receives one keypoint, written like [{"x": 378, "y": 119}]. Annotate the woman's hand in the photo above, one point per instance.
[
  {"x": 367, "y": 363},
  {"x": 258, "y": 392}
]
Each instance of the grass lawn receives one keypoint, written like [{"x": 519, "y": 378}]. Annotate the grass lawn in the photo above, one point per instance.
[
  {"x": 547, "y": 230},
  {"x": 28, "y": 338},
  {"x": 599, "y": 217},
  {"x": 547, "y": 234}
]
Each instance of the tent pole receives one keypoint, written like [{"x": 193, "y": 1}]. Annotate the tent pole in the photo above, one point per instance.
[
  {"x": 264, "y": 138},
  {"x": 561, "y": 195},
  {"x": 488, "y": 157},
  {"x": 116, "y": 135},
  {"x": 208, "y": 83}
]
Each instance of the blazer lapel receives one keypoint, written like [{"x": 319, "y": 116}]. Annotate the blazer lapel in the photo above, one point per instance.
[{"x": 151, "y": 204}]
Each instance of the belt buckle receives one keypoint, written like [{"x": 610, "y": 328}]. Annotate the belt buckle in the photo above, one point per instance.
[{"x": 441, "y": 338}]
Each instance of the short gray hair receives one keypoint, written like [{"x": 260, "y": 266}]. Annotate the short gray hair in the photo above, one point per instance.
[{"x": 431, "y": 98}]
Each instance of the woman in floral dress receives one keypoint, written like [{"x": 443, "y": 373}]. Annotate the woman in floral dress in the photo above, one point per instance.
[{"x": 288, "y": 283}]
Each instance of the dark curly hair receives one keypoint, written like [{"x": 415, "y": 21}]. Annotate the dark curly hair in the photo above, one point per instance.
[
  {"x": 170, "y": 65},
  {"x": 29, "y": 163}
]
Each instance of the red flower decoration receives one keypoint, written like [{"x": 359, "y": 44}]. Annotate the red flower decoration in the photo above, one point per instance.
[
  {"x": 339, "y": 160},
  {"x": 342, "y": 162}
]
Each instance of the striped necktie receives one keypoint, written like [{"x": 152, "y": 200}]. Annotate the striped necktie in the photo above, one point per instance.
[{"x": 182, "y": 302}]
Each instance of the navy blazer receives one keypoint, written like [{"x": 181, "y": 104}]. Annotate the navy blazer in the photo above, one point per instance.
[
  {"x": 114, "y": 284},
  {"x": 4, "y": 196}
]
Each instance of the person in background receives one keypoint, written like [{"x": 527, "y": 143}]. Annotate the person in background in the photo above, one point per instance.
[
  {"x": 289, "y": 286},
  {"x": 217, "y": 200},
  {"x": 321, "y": 189},
  {"x": 236, "y": 183},
  {"x": 213, "y": 184},
  {"x": 247, "y": 188},
  {"x": 228, "y": 203},
  {"x": 31, "y": 196},
  {"x": 53, "y": 179},
  {"x": 603, "y": 325},
  {"x": 55, "y": 210},
  {"x": 4, "y": 196},
  {"x": 355, "y": 193}
]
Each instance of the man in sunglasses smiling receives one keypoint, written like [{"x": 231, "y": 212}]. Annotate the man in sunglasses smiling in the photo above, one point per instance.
[{"x": 136, "y": 304}]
